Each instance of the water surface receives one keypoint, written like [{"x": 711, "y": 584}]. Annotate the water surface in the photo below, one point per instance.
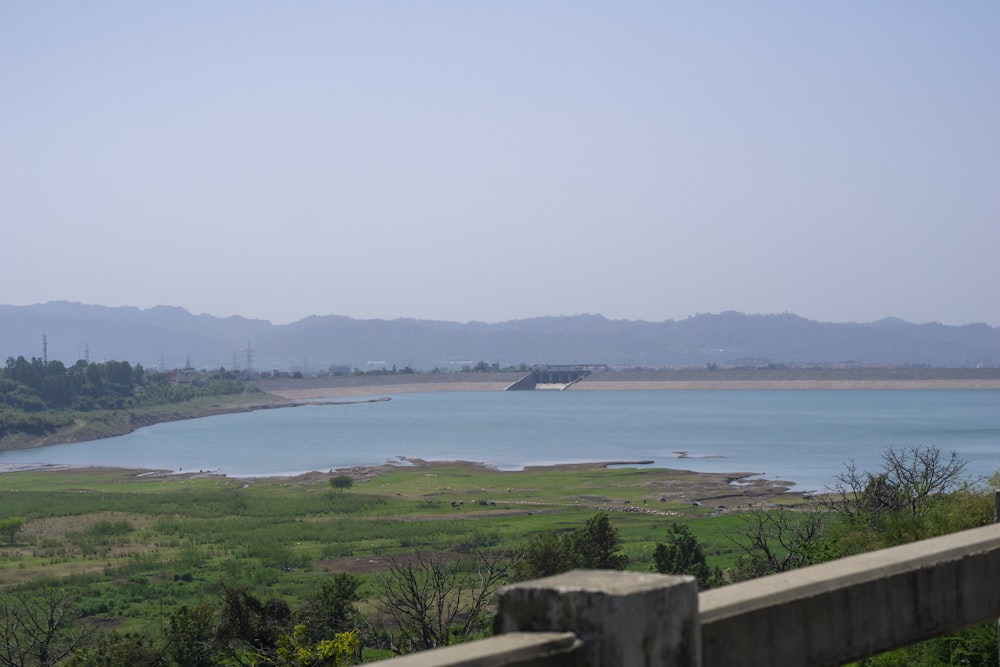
[{"x": 801, "y": 436}]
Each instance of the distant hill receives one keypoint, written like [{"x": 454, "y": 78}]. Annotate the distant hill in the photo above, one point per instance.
[{"x": 173, "y": 336}]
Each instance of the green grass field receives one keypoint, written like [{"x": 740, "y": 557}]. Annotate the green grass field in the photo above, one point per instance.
[{"x": 136, "y": 546}]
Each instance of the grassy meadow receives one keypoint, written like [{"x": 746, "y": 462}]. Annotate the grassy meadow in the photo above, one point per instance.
[{"x": 136, "y": 545}]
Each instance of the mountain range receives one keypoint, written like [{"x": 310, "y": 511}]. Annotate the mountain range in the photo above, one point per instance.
[{"x": 171, "y": 337}]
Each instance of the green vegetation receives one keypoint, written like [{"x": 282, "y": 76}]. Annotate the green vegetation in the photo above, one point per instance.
[
  {"x": 341, "y": 482},
  {"x": 594, "y": 546},
  {"x": 683, "y": 554},
  {"x": 10, "y": 527},
  {"x": 163, "y": 569},
  {"x": 50, "y": 402}
]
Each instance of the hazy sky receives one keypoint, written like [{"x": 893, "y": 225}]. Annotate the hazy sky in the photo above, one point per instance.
[{"x": 501, "y": 160}]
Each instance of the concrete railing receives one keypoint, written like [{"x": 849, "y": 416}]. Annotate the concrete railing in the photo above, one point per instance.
[{"x": 827, "y": 614}]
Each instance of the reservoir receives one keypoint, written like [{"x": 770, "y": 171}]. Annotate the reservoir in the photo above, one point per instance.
[{"x": 805, "y": 437}]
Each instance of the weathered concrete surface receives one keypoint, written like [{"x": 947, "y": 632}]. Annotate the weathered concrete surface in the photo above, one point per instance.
[
  {"x": 536, "y": 649},
  {"x": 622, "y": 618},
  {"x": 855, "y": 607}
]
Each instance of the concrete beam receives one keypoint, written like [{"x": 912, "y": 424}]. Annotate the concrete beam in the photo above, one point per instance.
[{"x": 855, "y": 607}]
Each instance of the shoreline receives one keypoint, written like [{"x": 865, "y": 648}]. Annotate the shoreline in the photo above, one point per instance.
[
  {"x": 334, "y": 389},
  {"x": 682, "y": 484}
]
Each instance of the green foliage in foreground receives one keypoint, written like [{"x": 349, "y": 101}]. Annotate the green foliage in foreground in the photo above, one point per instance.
[{"x": 139, "y": 556}]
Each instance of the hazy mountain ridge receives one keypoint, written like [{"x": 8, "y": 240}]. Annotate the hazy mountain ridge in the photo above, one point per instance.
[{"x": 174, "y": 336}]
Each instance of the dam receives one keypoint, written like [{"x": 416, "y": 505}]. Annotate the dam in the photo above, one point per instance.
[{"x": 555, "y": 377}]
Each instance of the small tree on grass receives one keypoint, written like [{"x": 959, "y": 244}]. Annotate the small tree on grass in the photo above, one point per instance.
[
  {"x": 330, "y": 610},
  {"x": 341, "y": 482},
  {"x": 595, "y": 546},
  {"x": 682, "y": 554},
  {"x": 10, "y": 528}
]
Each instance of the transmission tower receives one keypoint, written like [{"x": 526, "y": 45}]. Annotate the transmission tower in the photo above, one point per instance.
[
  {"x": 249, "y": 351},
  {"x": 45, "y": 349}
]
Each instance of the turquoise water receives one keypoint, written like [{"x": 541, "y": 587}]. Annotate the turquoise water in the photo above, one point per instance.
[{"x": 801, "y": 436}]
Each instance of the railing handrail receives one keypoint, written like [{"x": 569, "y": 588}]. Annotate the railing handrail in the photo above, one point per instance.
[{"x": 826, "y": 614}]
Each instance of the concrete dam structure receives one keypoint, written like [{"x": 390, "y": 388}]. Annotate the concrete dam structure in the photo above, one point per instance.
[{"x": 559, "y": 377}]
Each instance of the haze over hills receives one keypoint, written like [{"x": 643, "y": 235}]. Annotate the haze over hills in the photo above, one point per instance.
[{"x": 172, "y": 337}]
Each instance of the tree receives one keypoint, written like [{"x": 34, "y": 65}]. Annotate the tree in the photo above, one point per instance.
[
  {"x": 39, "y": 627},
  {"x": 330, "y": 610},
  {"x": 10, "y": 528},
  {"x": 596, "y": 546},
  {"x": 911, "y": 480},
  {"x": 544, "y": 555},
  {"x": 296, "y": 650},
  {"x": 432, "y": 600},
  {"x": 681, "y": 554},
  {"x": 341, "y": 482},
  {"x": 781, "y": 540},
  {"x": 191, "y": 635},
  {"x": 248, "y": 627}
]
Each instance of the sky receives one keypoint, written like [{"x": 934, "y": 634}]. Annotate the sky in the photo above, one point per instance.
[{"x": 492, "y": 161}]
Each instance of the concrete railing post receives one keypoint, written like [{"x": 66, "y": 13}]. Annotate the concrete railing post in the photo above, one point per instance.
[{"x": 622, "y": 618}]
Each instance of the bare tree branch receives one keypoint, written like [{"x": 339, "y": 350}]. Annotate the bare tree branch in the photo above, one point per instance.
[
  {"x": 433, "y": 599},
  {"x": 910, "y": 479},
  {"x": 40, "y": 627}
]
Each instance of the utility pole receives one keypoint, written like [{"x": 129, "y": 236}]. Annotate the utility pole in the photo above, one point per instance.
[{"x": 45, "y": 349}]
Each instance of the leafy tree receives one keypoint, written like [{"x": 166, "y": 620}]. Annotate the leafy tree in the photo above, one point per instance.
[
  {"x": 10, "y": 528},
  {"x": 330, "y": 610},
  {"x": 544, "y": 555},
  {"x": 296, "y": 650},
  {"x": 190, "y": 637},
  {"x": 595, "y": 546},
  {"x": 341, "y": 482},
  {"x": 249, "y": 628},
  {"x": 682, "y": 554}
]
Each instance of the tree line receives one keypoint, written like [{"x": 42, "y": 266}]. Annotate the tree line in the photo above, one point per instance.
[{"x": 35, "y": 394}]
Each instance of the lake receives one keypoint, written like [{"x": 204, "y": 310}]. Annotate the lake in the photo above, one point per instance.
[{"x": 801, "y": 436}]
